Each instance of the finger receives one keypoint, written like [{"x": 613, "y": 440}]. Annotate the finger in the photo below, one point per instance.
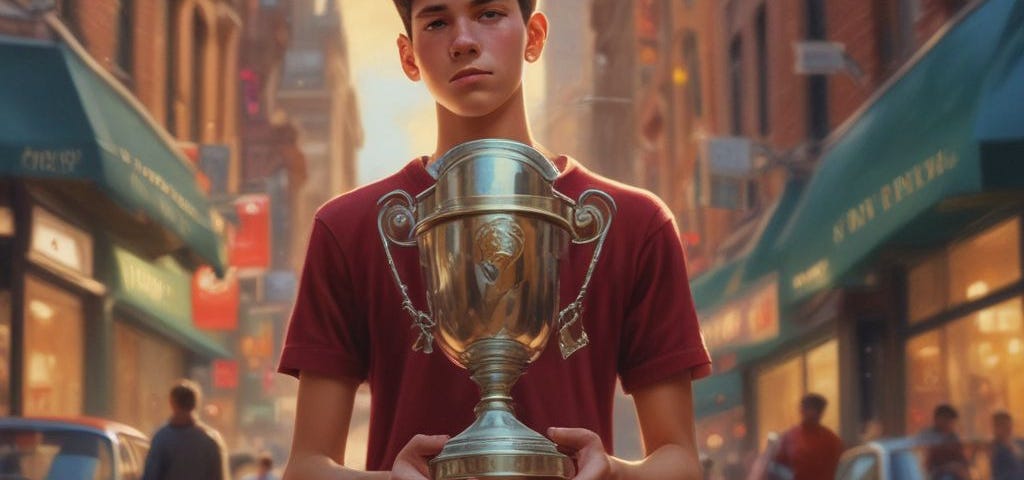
[
  {"x": 574, "y": 438},
  {"x": 427, "y": 445}
]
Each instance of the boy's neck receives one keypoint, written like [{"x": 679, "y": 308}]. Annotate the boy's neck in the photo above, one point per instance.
[{"x": 507, "y": 121}]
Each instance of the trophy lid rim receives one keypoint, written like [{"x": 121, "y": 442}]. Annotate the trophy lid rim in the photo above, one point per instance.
[{"x": 461, "y": 151}]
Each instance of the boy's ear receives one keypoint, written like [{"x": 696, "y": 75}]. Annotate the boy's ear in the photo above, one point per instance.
[
  {"x": 536, "y": 36},
  {"x": 408, "y": 59}
]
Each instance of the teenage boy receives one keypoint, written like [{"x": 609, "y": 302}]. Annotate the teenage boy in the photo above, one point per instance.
[{"x": 348, "y": 325}]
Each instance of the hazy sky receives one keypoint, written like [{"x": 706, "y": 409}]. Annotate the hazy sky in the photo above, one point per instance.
[{"x": 397, "y": 114}]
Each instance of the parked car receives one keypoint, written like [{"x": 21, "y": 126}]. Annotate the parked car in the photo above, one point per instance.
[
  {"x": 79, "y": 448},
  {"x": 903, "y": 459}
]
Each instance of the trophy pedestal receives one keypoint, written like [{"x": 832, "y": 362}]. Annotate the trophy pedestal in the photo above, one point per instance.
[{"x": 497, "y": 445}]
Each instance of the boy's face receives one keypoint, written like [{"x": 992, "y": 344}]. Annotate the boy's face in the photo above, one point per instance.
[{"x": 470, "y": 53}]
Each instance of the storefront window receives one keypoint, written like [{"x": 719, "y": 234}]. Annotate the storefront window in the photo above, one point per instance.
[
  {"x": 974, "y": 364},
  {"x": 928, "y": 288},
  {"x": 984, "y": 263},
  {"x": 823, "y": 379},
  {"x": 926, "y": 379},
  {"x": 147, "y": 367},
  {"x": 778, "y": 398},
  {"x": 780, "y": 388},
  {"x": 967, "y": 271},
  {"x": 54, "y": 350}
]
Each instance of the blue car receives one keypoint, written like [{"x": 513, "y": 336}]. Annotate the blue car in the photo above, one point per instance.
[
  {"x": 903, "y": 459},
  {"x": 78, "y": 448}
]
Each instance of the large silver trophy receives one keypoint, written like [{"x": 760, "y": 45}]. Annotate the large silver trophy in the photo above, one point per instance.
[{"x": 491, "y": 233}]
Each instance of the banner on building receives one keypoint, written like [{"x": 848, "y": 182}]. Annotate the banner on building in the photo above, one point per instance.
[
  {"x": 225, "y": 374},
  {"x": 215, "y": 300},
  {"x": 249, "y": 246}
]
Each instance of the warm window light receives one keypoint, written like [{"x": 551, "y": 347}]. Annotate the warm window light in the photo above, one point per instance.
[
  {"x": 1014, "y": 347},
  {"x": 928, "y": 352},
  {"x": 977, "y": 290},
  {"x": 715, "y": 441},
  {"x": 992, "y": 361},
  {"x": 40, "y": 310}
]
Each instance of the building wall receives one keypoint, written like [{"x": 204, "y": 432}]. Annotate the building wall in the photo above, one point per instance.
[{"x": 568, "y": 59}]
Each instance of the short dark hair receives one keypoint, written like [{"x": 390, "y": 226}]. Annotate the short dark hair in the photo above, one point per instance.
[
  {"x": 185, "y": 395},
  {"x": 264, "y": 460},
  {"x": 814, "y": 402},
  {"x": 526, "y": 7},
  {"x": 1001, "y": 416},
  {"x": 945, "y": 411}
]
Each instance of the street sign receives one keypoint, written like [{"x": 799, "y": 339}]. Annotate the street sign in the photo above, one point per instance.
[
  {"x": 820, "y": 58},
  {"x": 729, "y": 156}
]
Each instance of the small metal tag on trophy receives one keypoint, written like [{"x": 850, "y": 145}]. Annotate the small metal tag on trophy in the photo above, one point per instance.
[{"x": 491, "y": 233}]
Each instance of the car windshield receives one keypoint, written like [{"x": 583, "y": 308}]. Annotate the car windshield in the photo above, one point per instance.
[{"x": 29, "y": 454}]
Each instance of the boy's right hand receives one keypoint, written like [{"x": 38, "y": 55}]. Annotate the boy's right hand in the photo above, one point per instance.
[{"x": 411, "y": 462}]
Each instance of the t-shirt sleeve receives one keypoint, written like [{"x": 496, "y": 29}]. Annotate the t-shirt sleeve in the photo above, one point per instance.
[
  {"x": 325, "y": 333},
  {"x": 662, "y": 338}
]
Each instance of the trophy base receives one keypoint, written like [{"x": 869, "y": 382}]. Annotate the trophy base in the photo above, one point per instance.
[{"x": 496, "y": 446}]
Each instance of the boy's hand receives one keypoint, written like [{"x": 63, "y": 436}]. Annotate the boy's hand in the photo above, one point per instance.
[
  {"x": 411, "y": 462},
  {"x": 586, "y": 448}
]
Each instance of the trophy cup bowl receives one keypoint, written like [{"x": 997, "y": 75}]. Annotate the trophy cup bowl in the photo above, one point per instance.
[{"x": 491, "y": 233}]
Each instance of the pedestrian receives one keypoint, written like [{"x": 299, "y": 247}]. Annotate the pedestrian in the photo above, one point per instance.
[
  {"x": 810, "y": 451},
  {"x": 1007, "y": 456},
  {"x": 264, "y": 469},
  {"x": 185, "y": 448},
  {"x": 348, "y": 325},
  {"x": 945, "y": 458}
]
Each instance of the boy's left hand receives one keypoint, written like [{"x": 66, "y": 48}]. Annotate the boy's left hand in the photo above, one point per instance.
[{"x": 592, "y": 461}]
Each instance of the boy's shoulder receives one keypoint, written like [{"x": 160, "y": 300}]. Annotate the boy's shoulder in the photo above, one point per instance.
[
  {"x": 631, "y": 202},
  {"x": 361, "y": 202}
]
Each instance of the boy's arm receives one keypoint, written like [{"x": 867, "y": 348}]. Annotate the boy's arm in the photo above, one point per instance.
[
  {"x": 322, "y": 419},
  {"x": 665, "y": 412}
]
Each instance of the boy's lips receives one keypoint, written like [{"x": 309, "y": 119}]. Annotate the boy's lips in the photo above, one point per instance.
[{"x": 467, "y": 72}]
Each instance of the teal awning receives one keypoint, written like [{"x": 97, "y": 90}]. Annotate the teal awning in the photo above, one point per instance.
[
  {"x": 714, "y": 288},
  {"x": 160, "y": 295},
  {"x": 62, "y": 119},
  {"x": 945, "y": 129}
]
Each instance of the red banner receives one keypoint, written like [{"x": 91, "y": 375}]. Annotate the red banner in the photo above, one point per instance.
[
  {"x": 249, "y": 247},
  {"x": 214, "y": 300},
  {"x": 225, "y": 374}
]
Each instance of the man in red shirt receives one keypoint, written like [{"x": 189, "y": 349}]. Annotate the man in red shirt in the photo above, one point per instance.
[
  {"x": 348, "y": 326},
  {"x": 810, "y": 450}
]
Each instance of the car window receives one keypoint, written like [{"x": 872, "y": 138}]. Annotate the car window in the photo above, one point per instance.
[
  {"x": 906, "y": 464},
  {"x": 861, "y": 467},
  {"x": 140, "y": 447},
  {"x": 65, "y": 455},
  {"x": 129, "y": 463}
]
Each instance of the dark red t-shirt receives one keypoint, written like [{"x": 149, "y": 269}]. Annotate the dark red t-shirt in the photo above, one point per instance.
[
  {"x": 811, "y": 451},
  {"x": 348, "y": 320}
]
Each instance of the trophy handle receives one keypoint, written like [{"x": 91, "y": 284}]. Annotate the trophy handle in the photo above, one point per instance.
[
  {"x": 591, "y": 220},
  {"x": 395, "y": 223}
]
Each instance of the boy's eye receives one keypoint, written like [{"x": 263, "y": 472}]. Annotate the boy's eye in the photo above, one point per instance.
[
  {"x": 491, "y": 15},
  {"x": 434, "y": 25}
]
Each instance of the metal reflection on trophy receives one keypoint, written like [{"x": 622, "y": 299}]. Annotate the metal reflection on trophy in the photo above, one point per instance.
[{"x": 491, "y": 233}]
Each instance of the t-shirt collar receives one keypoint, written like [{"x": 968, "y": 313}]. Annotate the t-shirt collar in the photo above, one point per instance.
[{"x": 419, "y": 174}]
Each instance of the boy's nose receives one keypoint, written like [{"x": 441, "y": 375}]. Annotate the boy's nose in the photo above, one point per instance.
[{"x": 463, "y": 44}]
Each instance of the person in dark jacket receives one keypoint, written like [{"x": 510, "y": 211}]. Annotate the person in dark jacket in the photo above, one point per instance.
[
  {"x": 1007, "y": 455},
  {"x": 185, "y": 448}
]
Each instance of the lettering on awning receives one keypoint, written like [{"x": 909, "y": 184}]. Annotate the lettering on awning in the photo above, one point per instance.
[
  {"x": 892, "y": 193},
  {"x": 58, "y": 162}
]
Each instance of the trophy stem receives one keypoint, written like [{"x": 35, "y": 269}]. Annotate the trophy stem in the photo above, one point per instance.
[
  {"x": 495, "y": 365},
  {"x": 497, "y": 445}
]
